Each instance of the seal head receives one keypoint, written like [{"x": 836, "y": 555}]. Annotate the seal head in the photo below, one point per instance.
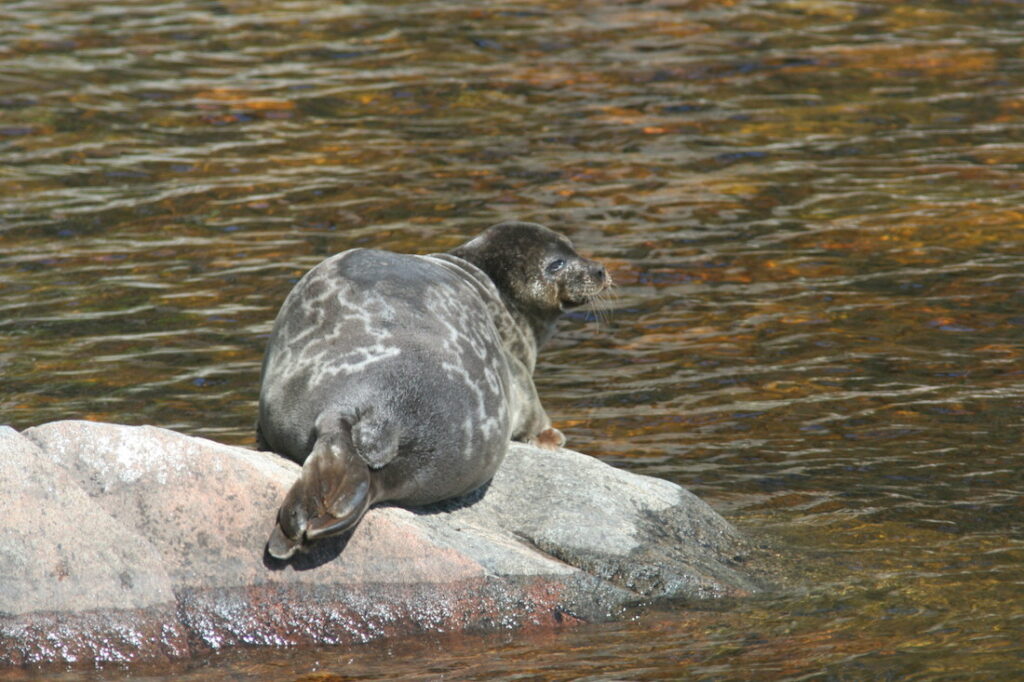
[
  {"x": 395, "y": 377},
  {"x": 537, "y": 271}
]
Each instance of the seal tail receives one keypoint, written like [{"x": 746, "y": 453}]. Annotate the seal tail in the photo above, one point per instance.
[{"x": 329, "y": 498}]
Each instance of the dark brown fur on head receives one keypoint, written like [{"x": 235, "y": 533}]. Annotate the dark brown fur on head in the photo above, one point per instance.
[{"x": 536, "y": 269}]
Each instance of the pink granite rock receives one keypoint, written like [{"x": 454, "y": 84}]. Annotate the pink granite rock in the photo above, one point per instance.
[{"x": 139, "y": 543}]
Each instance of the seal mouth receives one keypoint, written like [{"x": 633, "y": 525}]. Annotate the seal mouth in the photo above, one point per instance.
[
  {"x": 575, "y": 300},
  {"x": 568, "y": 303},
  {"x": 581, "y": 283}
]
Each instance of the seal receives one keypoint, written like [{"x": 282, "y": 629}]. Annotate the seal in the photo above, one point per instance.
[{"x": 402, "y": 378}]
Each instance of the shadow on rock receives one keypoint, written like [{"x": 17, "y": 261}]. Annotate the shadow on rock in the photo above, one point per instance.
[
  {"x": 454, "y": 504},
  {"x": 322, "y": 552}
]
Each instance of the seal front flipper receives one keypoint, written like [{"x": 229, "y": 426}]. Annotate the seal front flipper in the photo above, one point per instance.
[
  {"x": 531, "y": 423},
  {"x": 329, "y": 498}
]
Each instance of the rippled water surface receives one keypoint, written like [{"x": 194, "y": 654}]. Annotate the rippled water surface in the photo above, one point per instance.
[{"x": 813, "y": 211}]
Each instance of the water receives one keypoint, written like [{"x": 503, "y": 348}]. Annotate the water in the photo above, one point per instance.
[{"x": 812, "y": 210}]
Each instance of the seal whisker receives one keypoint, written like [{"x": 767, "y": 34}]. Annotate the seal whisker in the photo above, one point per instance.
[{"x": 601, "y": 304}]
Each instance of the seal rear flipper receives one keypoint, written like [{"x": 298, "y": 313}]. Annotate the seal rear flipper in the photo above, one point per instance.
[
  {"x": 280, "y": 546},
  {"x": 329, "y": 498}
]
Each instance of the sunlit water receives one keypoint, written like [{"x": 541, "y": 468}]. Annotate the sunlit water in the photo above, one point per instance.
[{"x": 813, "y": 211}]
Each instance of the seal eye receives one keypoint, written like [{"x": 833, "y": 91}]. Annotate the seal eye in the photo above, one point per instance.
[{"x": 555, "y": 265}]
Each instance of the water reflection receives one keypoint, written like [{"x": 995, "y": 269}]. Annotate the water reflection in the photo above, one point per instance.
[{"x": 812, "y": 210}]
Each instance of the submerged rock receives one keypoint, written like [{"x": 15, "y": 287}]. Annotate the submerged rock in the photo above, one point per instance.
[{"x": 123, "y": 543}]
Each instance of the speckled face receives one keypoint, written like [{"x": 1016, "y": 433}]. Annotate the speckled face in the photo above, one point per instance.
[
  {"x": 576, "y": 279},
  {"x": 535, "y": 267}
]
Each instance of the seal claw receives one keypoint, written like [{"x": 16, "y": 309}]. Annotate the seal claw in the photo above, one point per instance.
[{"x": 549, "y": 439}]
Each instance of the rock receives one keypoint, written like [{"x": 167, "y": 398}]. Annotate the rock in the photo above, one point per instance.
[
  {"x": 60, "y": 553},
  {"x": 123, "y": 543}
]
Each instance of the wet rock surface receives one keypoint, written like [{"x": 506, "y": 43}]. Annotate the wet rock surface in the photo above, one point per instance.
[{"x": 126, "y": 543}]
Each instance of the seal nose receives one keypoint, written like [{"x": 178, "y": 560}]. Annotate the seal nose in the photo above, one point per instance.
[{"x": 596, "y": 270}]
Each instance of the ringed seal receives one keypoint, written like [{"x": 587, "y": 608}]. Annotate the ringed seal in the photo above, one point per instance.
[{"x": 396, "y": 377}]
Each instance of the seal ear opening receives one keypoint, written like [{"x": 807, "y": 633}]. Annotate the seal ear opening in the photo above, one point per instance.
[{"x": 329, "y": 498}]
